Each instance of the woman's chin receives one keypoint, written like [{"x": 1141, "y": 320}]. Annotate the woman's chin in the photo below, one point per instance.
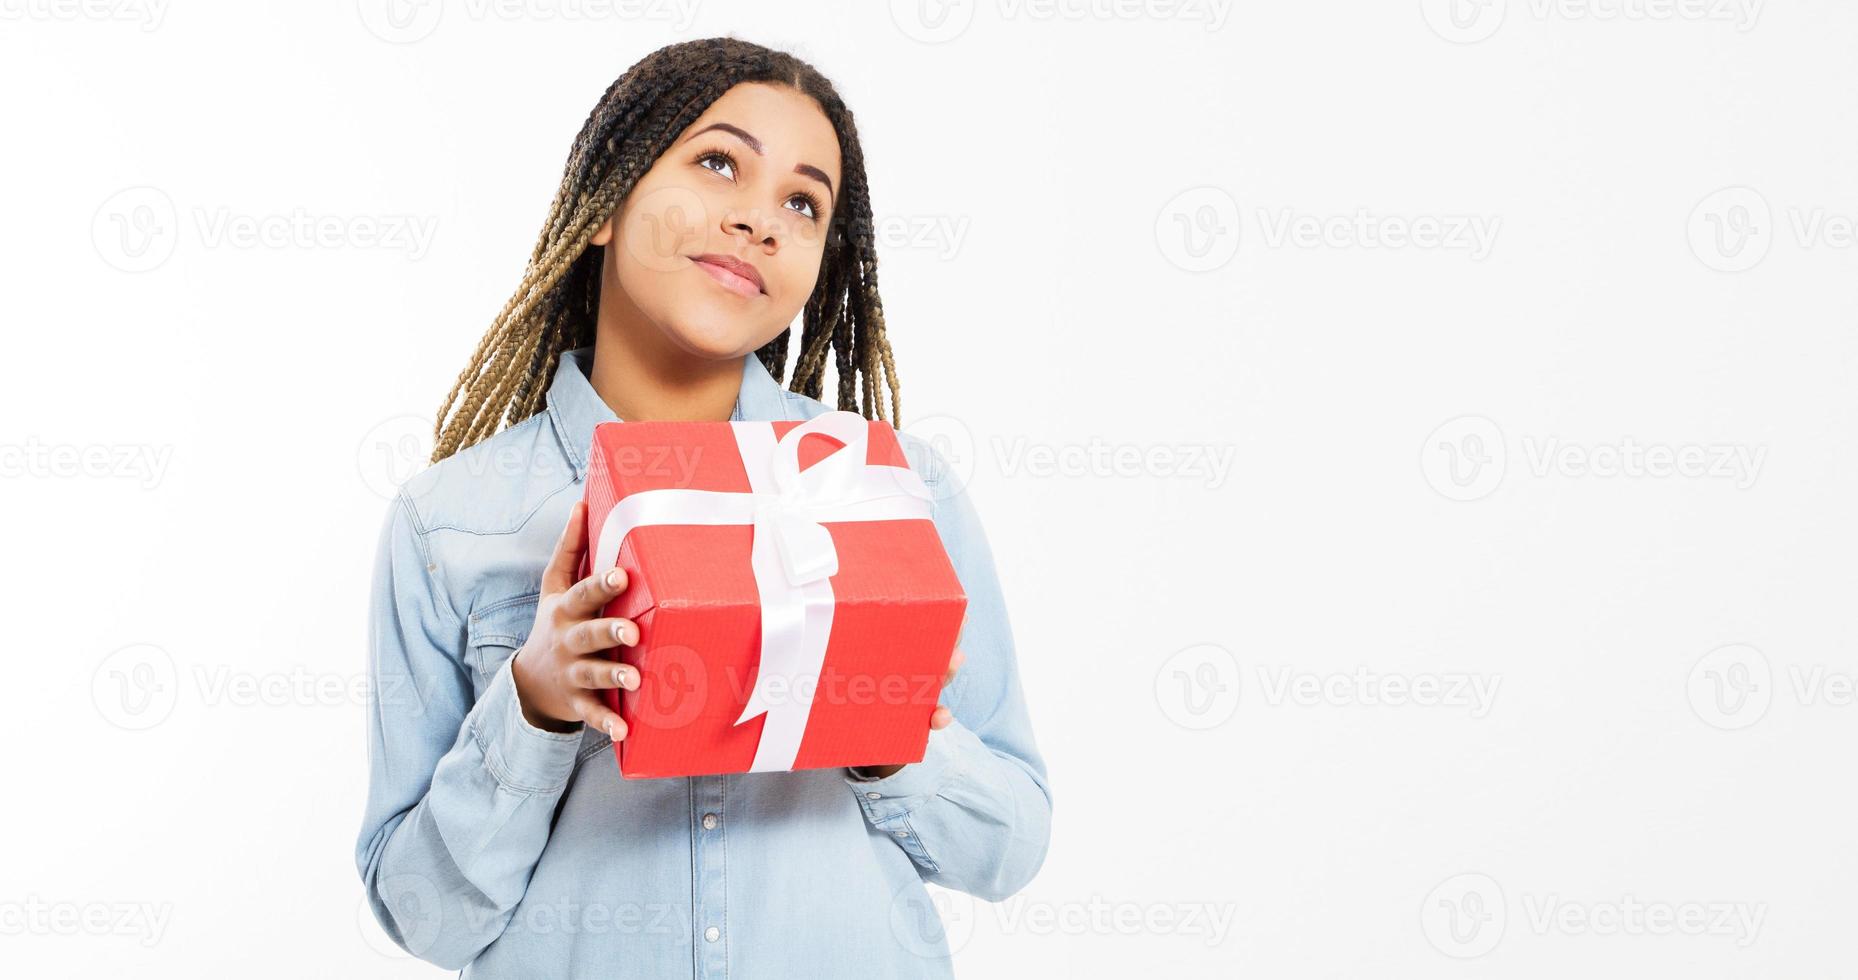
[{"x": 713, "y": 343}]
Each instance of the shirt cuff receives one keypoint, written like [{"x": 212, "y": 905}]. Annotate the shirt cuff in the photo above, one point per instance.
[
  {"x": 887, "y": 798},
  {"x": 522, "y": 757}
]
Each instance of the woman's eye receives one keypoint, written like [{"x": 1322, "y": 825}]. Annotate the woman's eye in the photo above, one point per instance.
[
  {"x": 805, "y": 205},
  {"x": 722, "y": 160}
]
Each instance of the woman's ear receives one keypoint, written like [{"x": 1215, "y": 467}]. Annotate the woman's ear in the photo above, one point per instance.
[{"x": 605, "y": 234}]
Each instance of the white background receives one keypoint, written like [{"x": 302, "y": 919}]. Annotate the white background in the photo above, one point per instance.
[{"x": 1632, "y": 533}]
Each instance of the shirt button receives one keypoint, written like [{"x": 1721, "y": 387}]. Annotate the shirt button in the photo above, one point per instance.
[
  {"x": 874, "y": 796},
  {"x": 901, "y": 833},
  {"x": 709, "y": 821},
  {"x": 712, "y": 934}
]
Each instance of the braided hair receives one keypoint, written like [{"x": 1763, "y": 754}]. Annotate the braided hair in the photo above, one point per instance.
[{"x": 554, "y": 308}]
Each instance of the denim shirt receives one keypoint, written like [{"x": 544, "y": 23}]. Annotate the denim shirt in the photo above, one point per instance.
[{"x": 504, "y": 850}]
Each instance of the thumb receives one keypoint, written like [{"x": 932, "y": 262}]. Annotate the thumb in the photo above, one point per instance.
[{"x": 564, "y": 564}]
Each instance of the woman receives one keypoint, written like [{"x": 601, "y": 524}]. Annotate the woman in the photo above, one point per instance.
[{"x": 716, "y": 193}]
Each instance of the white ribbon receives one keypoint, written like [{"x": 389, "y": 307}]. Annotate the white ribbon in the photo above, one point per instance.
[{"x": 792, "y": 557}]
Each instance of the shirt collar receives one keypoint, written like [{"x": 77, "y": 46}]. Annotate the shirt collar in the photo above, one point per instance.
[{"x": 575, "y": 407}]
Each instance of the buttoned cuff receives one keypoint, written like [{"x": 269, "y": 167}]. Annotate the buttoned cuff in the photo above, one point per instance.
[
  {"x": 891, "y": 797},
  {"x": 522, "y": 757}
]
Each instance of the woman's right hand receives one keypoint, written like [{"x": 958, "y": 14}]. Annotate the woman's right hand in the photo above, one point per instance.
[{"x": 560, "y": 671}]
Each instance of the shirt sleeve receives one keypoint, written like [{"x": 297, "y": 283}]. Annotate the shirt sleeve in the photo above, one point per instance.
[
  {"x": 460, "y": 794},
  {"x": 975, "y": 814}
]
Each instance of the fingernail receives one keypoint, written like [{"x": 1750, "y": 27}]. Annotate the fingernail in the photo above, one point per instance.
[
  {"x": 619, "y": 674},
  {"x": 612, "y": 578},
  {"x": 619, "y": 632},
  {"x": 609, "y": 728}
]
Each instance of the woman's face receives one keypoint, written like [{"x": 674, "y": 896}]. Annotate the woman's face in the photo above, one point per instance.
[{"x": 721, "y": 240}]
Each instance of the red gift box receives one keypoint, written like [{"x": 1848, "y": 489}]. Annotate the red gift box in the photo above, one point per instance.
[{"x": 795, "y": 605}]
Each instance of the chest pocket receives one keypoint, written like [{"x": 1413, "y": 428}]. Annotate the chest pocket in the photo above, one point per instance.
[{"x": 493, "y": 635}]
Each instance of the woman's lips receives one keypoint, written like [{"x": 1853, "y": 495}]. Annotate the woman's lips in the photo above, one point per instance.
[{"x": 739, "y": 285}]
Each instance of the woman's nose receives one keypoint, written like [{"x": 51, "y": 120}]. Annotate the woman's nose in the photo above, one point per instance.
[{"x": 749, "y": 224}]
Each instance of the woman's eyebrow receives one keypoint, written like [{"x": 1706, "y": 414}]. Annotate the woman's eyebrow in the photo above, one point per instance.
[{"x": 803, "y": 169}]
